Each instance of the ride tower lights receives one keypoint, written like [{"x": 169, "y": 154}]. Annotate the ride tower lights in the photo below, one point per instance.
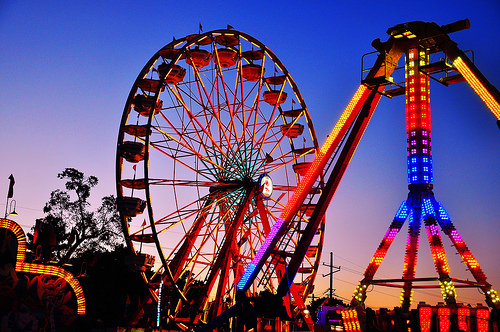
[{"x": 420, "y": 178}]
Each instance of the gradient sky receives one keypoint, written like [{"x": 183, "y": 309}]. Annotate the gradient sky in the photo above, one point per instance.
[{"x": 66, "y": 68}]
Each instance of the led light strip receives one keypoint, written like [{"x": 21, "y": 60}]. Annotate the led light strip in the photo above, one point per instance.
[{"x": 478, "y": 87}]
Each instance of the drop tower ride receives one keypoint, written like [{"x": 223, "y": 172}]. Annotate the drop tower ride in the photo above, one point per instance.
[{"x": 417, "y": 41}]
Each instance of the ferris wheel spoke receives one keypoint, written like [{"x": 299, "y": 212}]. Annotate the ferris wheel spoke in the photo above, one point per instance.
[
  {"x": 216, "y": 226},
  {"x": 253, "y": 107},
  {"x": 239, "y": 83},
  {"x": 188, "y": 148},
  {"x": 261, "y": 140},
  {"x": 187, "y": 244},
  {"x": 208, "y": 113},
  {"x": 180, "y": 131},
  {"x": 264, "y": 127},
  {"x": 276, "y": 203},
  {"x": 284, "y": 163},
  {"x": 196, "y": 124},
  {"x": 272, "y": 120},
  {"x": 256, "y": 107},
  {"x": 225, "y": 95},
  {"x": 239, "y": 115},
  {"x": 285, "y": 134},
  {"x": 244, "y": 119},
  {"x": 206, "y": 260},
  {"x": 217, "y": 148},
  {"x": 177, "y": 217},
  {"x": 178, "y": 161},
  {"x": 187, "y": 183},
  {"x": 230, "y": 131},
  {"x": 189, "y": 210},
  {"x": 214, "y": 109},
  {"x": 141, "y": 230},
  {"x": 257, "y": 164}
]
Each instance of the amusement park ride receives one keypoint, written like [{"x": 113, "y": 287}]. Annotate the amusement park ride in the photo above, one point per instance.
[{"x": 226, "y": 168}]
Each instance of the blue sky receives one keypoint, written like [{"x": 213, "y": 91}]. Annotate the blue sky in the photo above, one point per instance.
[{"x": 66, "y": 68}]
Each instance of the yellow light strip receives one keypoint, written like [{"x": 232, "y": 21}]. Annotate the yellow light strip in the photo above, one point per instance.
[
  {"x": 60, "y": 273},
  {"x": 57, "y": 271},
  {"x": 323, "y": 155},
  {"x": 21, "y": 238},
  {"x": 343, "y": 118},
  {"x": 478, "y": 87}
]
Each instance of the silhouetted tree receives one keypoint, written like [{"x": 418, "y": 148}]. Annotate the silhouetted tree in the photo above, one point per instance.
[{"x": 69, "y": 229}]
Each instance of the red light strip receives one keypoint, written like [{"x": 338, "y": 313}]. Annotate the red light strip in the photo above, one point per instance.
[
  {"x": 425, "y": 314},
  {"x": 463, "y": 318},
  {"x": 482, "y": 316},
  {"x": 444, "y": 319},
  {"x": 465, "y": 253},
  {"x": 437, "y": 248}
]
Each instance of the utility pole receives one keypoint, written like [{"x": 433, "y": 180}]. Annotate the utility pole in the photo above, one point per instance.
[{"x": 333, "y": 269}]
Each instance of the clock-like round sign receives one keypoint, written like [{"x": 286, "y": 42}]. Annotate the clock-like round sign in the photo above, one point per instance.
[{"x": 266, "y": 185}]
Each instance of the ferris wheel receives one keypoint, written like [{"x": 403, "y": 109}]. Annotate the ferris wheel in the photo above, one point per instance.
[{"x": 214, "y": 138}]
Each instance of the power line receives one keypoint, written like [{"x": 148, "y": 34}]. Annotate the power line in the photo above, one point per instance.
[{"x": 25, "y": 208}]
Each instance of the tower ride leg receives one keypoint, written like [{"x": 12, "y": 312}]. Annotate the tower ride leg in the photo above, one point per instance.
[
  {"x": 492, "y": 298},
  {"x": 438, "y": 253},
  {"x": 360, "y": 293}
]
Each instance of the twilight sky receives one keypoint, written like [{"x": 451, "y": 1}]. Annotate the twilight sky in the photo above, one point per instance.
[{"x": 66, "y": 68}]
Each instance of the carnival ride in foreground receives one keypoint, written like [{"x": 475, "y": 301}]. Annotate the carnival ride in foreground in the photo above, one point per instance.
[
  {"x": 235, "y": 187},
  {"x": 35, "y": 294}
]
